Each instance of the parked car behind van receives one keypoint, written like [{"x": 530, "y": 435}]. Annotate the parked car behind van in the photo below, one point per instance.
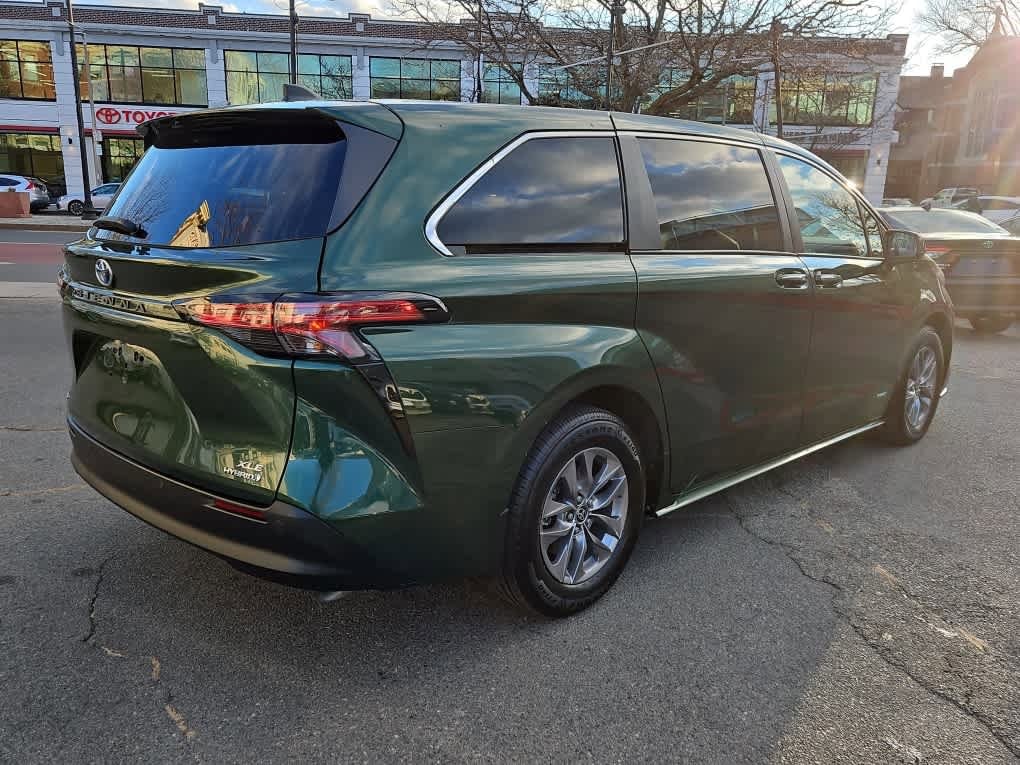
[
  {"x": 477, "y": 340},
  {"x": 38, "y": 194},
  {"x": 980, "y": 261}
]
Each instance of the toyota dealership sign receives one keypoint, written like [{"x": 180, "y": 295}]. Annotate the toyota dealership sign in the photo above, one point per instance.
[{"x": 114, "y": 117}]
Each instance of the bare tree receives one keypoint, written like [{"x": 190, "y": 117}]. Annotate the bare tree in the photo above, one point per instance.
[
  {"x": 964, "y": 24},
  {"x": 687, "y": 48}
]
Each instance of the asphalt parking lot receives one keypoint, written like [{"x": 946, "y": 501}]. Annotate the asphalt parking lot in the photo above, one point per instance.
[{"x": 860, "y": 605}]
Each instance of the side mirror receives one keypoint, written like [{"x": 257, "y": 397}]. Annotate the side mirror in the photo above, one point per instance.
[
  {"x": 902, "y": 245},
  {"x": 926, "y": 205}
]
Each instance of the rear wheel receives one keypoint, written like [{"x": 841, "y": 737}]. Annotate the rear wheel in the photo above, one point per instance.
[
  {"x": 75, "y": 207},
  {"x": 575, "y": 513},
  {"x": 990, "y": 323},
  {"x": 916, "y": 397}
]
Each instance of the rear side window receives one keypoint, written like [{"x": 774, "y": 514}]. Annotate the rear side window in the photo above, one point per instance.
[
  {"x": 711, "y": 196},
  {"x": 238, "y": 186},
  {"x": 547, "y": 194}
]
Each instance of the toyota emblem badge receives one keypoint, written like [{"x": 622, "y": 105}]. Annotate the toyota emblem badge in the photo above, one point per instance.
[{"x": 104, "y": 274}]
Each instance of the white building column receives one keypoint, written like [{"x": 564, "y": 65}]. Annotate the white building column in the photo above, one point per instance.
[
  {"x": 883, "y": 136},
  {"x": 361, "y": 82},
  {"x": 215, "y": 75},
  {"x": 71, "y": 144}
]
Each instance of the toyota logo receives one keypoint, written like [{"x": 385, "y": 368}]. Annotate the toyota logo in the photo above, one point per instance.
[
  {"x": 104, "y": 274},
  {"x": 108, "y": 114}
]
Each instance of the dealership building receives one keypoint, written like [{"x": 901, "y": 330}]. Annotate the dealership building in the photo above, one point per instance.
[{"x": 138, "y": 63}]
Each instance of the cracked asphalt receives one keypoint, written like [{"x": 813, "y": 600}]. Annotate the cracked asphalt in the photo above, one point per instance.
[{"x": 858, "y": 606}]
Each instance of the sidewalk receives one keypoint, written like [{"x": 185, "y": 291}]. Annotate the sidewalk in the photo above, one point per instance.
[{"x": 45, "y": 223}]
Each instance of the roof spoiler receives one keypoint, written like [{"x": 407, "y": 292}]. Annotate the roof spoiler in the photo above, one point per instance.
[{"x": 292, "y": 92}]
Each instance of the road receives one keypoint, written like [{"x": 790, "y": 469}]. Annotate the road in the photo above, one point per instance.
[
  {"x": 857, "y": 606},
  {"x": 31, "y": 256}
]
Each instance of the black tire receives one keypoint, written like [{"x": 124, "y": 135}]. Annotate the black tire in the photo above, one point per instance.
[
  {"x": 897, "y": 430},
  {"x": 75, "y": 207},
  {"x": 527, "y": 580},
  {"x": 990, "y": 323}
]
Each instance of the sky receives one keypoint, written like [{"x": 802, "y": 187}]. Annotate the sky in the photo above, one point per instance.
[{"x": 922, "y": 50}]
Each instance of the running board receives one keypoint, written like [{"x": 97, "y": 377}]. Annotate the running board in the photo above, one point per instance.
[{"x": 706, "y": 491}]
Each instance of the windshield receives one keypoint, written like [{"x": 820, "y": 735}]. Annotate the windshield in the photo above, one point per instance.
[
  {"x": 942, "y": 222},
  {"x": 236, "y": 194}
]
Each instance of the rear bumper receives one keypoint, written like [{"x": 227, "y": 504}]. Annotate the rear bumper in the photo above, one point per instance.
[
  {"x": 287, "y": 545},
  {"x": 973, "y": 296}
]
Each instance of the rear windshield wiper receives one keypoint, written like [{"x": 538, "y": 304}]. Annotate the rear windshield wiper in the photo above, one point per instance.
[{"x": 123, "y": 226}]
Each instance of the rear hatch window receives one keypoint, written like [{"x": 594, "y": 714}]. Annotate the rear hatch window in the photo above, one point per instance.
[{"x": 233, "y": 182}]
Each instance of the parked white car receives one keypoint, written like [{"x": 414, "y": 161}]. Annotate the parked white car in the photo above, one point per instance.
[
  {"x": 996, "y": 208},
  {"x": 39, "y": 195},
  {"x": 101, "y": 196}
]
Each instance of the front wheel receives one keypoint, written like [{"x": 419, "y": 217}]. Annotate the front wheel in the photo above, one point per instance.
[
  {"x": 990, "y": 323},
  {"x": 575, "y": 513},
  {"x": 916, "y": 397},
  {"x": 75, "y": 207}
]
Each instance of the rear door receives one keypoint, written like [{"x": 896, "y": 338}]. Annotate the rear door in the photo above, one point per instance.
[
  {"x": 863, "y": 303},
  {"x": 232, "y": 209},
  {"x": 723, "y": 307}
]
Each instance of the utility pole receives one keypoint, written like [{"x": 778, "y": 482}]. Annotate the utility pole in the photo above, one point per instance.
[
  {"x": 89, "y": 212},
  {"x": 293, "y": 42},
  {"x": 615, "y": 10},
  {"x": 774, "y": 33},
  {"x": 478, "y": 59}
]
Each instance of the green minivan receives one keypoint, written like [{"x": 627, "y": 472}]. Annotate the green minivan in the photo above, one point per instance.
[{"x": 362, "y": 345}]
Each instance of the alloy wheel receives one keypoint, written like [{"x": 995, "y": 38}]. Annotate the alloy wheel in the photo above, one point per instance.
[
  {"x": 584, "y": 515},
  {"x": 920, "y": 389}
]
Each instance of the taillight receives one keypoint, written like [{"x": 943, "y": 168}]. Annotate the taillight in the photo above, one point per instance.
[
  {"x": 309, "y": 325},
  {"x": 943, "y": 256},
  {"x": 30, "y": 186}
]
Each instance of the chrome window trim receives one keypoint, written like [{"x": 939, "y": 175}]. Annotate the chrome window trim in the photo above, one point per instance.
[
  {"x": 436, "y": 217},
  {"x": 750, "y": 143}
]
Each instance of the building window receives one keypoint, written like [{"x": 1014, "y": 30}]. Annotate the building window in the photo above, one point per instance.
[
  {"x": 254, "y": 78},
  {"x": 979, "y": 134},
  {"x": 119, "y": 156},
  {"x": 499, "y": 86},
  {"x": 840, "y": 100},
  {"x": 730, "y": 102},
  {"x": 33, "y": 155},
  {"x": 575, "y": 87},
  {"x": 851, "y": 166},
  {"x": 26, "y": 70},
  {"x": 129, "y": 74},
  {"x": 428, "y": 79},
  {"x": 327, "y": 76}
]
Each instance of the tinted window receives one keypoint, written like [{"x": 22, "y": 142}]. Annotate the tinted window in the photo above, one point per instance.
[
  {"x": 710, "y": 196},
  {"x": 829, "y": 218},
  {"x": 237, "y": 191},
  {"x": 546, "y": 192}
]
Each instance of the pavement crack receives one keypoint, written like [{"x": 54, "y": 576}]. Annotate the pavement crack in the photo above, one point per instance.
[
  {"x": 101, "y": 572},
  {"x": 33, "y": 428},
  {"x": 964, "y": 706}
]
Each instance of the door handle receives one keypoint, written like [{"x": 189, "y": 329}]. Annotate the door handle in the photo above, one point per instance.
[
  {"x": 792, "y": 278},
  {"x": 828, "y": 278}
]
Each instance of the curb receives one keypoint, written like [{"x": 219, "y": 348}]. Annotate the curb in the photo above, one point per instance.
[
  {"x": 29, "y": 290},
  {"x": 34, "y": 226}
]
